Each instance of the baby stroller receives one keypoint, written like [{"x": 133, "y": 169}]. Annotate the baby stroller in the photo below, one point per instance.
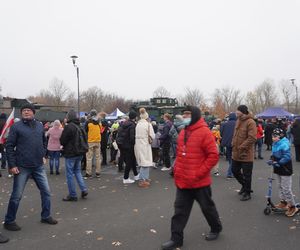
[{"x": 271, "y": 208}]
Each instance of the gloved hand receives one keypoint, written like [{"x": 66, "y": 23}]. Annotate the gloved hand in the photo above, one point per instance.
[
  {"x": 270, "y": 162},
  {"x": 275, "y": 164}
]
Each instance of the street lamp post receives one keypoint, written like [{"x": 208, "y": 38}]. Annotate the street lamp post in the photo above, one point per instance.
[
  {"x": 296, "y": 87},
  {"x": 77, "y": 72}
]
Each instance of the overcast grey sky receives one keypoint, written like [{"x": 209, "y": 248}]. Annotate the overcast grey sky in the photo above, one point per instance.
[{"x": 122, "y": 44}]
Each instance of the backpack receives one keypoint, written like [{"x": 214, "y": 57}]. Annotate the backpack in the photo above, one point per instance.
[
  {"x": 121, "y": 136},
  {"x": 80, "y": 141}
]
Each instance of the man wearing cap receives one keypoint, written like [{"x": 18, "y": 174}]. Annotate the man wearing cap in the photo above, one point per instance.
[
  {"x": 195, "y": 157},
  {"x": 26, "y": 148},
  {"x": 243, "y": 142}
]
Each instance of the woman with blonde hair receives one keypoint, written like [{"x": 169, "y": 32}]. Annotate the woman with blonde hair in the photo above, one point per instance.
[
  {"x": 144, "y": 135},
  {"x": 54, "y": 145}
]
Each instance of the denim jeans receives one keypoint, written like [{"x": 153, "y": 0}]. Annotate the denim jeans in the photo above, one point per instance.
[
  {"x": 73, "y": 168},
  {"x": 54, "y": 160},
  {"x": 40, "y": 178},
  {"x": 144, "y": 173},
  {"x": 259, "y": 143}
]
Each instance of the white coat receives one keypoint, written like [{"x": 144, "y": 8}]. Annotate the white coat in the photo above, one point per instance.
[{"x": 142, "y": 147}]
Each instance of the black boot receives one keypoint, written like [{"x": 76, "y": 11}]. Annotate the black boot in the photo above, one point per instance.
[
  {"x": 242, "y": 191},
  {"x": 211, "y": 236},
  {"x": 245, "y": 197},
  {"x": 3, "y": 239},
  {"x": 69, "y": 198},
  {"x": 170, "y": 245}
]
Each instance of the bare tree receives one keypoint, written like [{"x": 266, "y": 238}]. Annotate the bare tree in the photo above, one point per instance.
[
  {"x": 71, "y": 100},
  {"x": 93, "y": 98},
  {"x": 59, "y": 91},
  {"x": 288, "y": 93},
  {"x": 252, "y": 101},
  {"x": 226, "y": 100},
  {"x": 231, "y": 98},
  {"x": 218, "y": 106},
  {"x": 43, "y": 97},
  {"x": 262, "y": 97},
  {"x": 117, "y": 102},
  {"x": 192, "y": 97},
  {"x": 266, "y": 92},
  {"x": 161, "y": 92}
]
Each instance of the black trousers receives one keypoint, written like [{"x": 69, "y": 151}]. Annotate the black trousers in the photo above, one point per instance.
[
  {"x": 242, "y": 171},
  {"x": 103, "y": 152},
  {"x": 113, "y": 153},
  {"x": 166, "y": 154},
  {"x": 121, "y": 161},
  {"x": 130, "y": 162},
  {"x": 183, "y": 206},
  {"x": 297, "y": 152}
]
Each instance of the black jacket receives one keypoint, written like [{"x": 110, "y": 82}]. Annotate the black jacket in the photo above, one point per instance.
[
  {"x": 296, "y": 132},
  {"x": 67, "y": 139},
  {"x": 104, "y": 134},
  {"x": 126, "y": 135}
]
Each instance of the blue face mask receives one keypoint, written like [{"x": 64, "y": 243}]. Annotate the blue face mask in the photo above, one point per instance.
[{"x": 187, "y": 121}]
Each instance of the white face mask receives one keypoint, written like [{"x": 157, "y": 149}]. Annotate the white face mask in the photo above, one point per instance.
[{"x": 187, "y": 121}]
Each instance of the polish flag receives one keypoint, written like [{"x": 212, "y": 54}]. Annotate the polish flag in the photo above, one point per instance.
[{"x": 9, "y": 122}]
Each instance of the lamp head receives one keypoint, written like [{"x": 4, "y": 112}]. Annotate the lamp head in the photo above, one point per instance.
[{"x": 74, "y": 59}]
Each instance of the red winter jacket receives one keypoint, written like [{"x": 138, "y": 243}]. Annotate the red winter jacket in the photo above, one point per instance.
[{"x": 196, "y": 157}]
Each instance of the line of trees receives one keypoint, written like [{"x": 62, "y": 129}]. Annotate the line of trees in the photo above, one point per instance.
[{"x": 220, "y": 102}]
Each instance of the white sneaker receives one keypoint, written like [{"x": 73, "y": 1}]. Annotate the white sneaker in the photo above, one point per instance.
[
  {"x": 166, "y": 169},
  {"x": 136, "y": 177},
  {"x": 155, "y": 165},
  {"x": 128, "y": 181},
  {"x": 216, "y": 174}
]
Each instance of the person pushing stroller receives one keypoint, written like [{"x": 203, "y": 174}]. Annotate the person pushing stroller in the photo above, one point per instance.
[{"x": 283, "y": 168}]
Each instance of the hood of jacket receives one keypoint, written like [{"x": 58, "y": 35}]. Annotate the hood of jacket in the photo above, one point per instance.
[{"x": 232, "y": 117}]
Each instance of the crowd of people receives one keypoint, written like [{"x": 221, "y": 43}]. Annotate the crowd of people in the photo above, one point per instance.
[{"x": 186, "y": 146}]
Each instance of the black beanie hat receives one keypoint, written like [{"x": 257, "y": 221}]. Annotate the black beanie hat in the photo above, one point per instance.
[
  {"x": 278, "y": 132},
  {"x": 243, "y": 109},
  {"x": 132, "y": 115},
  {"x": 195, "y": 113},
  {"x": 28, "y": 106},
  {"x": 72, "y": 115}
]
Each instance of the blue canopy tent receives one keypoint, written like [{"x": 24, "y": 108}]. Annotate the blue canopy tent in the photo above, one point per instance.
[
  {"x": 274, "y": 112},
  {"x": 115, "y": 114}
]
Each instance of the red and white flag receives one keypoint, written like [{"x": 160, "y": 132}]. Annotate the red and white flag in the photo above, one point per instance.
[{"x": 9, "y": 122}]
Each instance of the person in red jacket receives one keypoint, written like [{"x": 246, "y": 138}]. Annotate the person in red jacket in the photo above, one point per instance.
[
  {"x": 259, "y": 139},
  {"x": 196, "y": 155}
]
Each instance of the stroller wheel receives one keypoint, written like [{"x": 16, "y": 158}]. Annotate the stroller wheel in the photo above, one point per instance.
[{"x": 267, "y": 210}]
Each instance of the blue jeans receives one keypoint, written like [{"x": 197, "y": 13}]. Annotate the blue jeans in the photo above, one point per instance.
[
  {"x": 40, "y": 178},
  {"x": 259, "y": 143},
  {"x": 73, "y": 168},
  {"x": 54, "y": 160},
  {"x": 144, "y": 173}
]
